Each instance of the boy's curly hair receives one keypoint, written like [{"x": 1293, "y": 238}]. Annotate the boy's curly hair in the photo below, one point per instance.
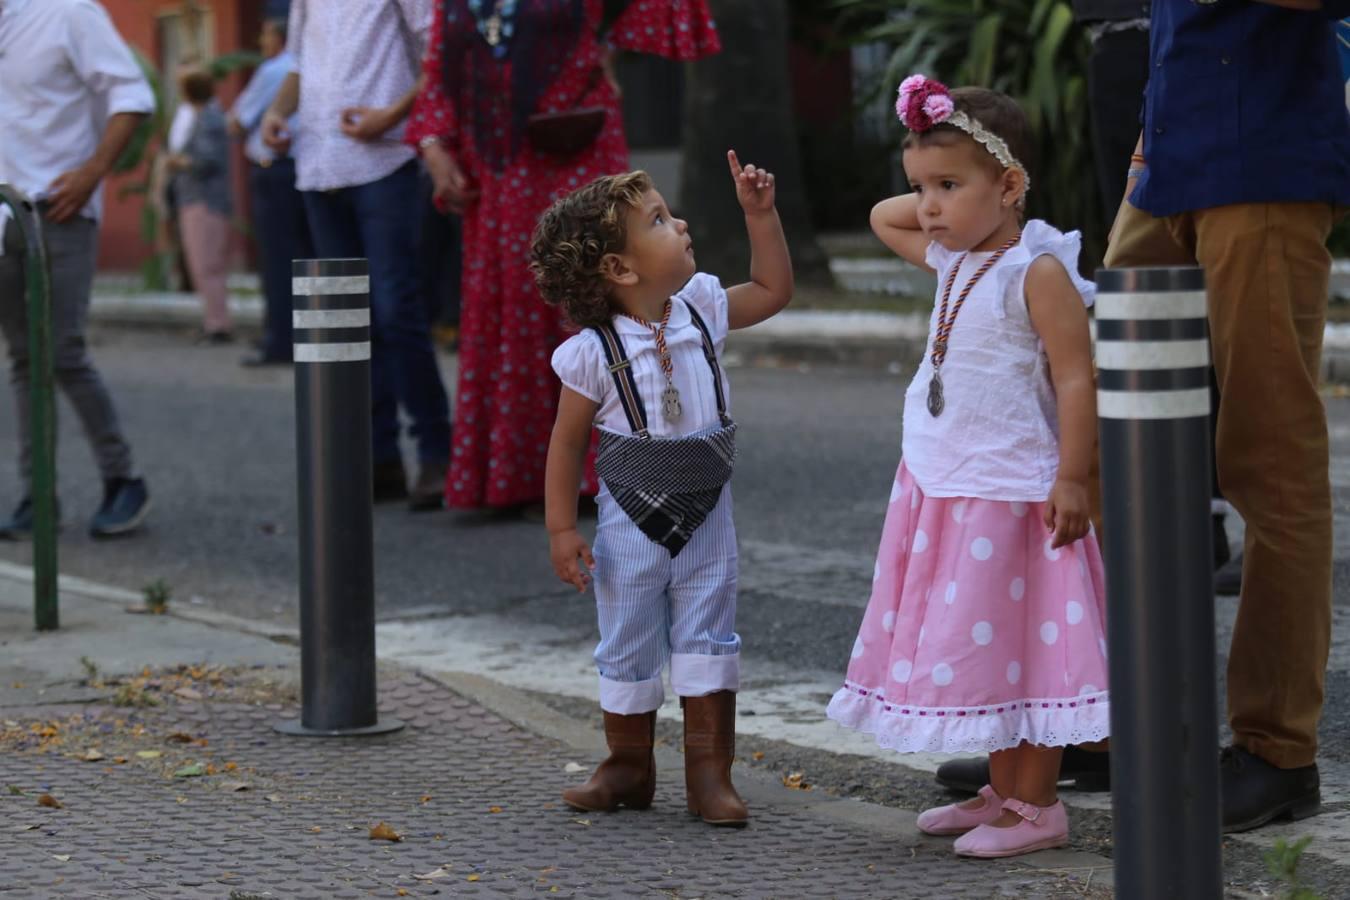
[
  {"x": 997, "y": 112},
  {"x": 574, "y": 235}
]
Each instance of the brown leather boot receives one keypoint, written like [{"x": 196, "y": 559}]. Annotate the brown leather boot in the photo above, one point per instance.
[
  {"x": 628, "y": 776},
  {"x": 709, "y": 746}
]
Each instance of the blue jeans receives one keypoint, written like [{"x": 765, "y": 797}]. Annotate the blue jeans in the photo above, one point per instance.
[
  {"x": 378, "y": 221},
  {"x": 282, "y": 235}
]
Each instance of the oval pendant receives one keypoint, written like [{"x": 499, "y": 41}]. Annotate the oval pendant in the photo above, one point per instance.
[{"x": 936, "y": 402}]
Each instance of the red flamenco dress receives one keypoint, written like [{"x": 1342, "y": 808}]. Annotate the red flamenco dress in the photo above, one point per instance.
[{"x": 477, "y": 99}]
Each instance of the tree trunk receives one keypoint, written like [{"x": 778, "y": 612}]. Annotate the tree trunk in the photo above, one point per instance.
[{"x": 741, "y": 99}]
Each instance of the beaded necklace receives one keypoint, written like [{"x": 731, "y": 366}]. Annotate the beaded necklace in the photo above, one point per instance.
[
  {"x": 670, "y": 397},
  {"x": 936, "y": 401}
]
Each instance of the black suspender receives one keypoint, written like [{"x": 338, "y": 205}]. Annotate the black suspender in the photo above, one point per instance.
[
  {"x": 710, "y": 353},
  {"x": 621, "y": 370}
]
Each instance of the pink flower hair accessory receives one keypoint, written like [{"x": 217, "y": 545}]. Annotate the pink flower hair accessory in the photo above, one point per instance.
[{"x": 924, "y": 102}]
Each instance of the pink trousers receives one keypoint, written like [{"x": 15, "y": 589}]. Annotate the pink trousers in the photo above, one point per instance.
[{"x": 206, "y": 241}]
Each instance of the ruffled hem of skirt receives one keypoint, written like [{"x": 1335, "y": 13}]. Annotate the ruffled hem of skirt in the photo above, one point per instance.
[{"x": 1057, "y": 722}]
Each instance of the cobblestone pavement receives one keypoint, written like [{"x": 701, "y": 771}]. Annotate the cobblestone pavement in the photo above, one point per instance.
[{"x": 197, "y": 797}]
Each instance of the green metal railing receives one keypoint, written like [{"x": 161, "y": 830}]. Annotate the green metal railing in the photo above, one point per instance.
[{"x": 42, "y": 405}]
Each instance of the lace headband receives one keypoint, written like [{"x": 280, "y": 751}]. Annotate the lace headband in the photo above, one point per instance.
[{"x": 924, "y": 103}]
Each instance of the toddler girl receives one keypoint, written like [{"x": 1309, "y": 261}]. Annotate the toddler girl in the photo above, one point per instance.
[
  {"x": 985, "y": 628},
  {"x": 646, "y": 370}
]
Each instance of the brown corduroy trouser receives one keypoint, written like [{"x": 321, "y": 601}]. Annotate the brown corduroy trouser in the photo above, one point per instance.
[{"x": 1267, "y": 271}]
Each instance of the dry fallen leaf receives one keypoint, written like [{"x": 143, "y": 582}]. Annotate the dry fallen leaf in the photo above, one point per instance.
[
  {"x": 402, "y": 892},
  {"x": 796, "y": 781},
  {"x": 148, "y": 754},
  {"x": 582, "y": 821},
  {"x": 230, "y": 767},
  {"x": 494, "y": 809},
  {"x": 383, "y": 832},
  {"x": 119, "y": 759},
  {"x": 442, "y": 872},
  {"x": 233, "y": 786},
  {"x": 573, "y": 768},
  {"x": 188, "y": 693},
  {"x": 91, "y": 755},
  {"x": 180, "y": 737},
  {"x": 473, "y": 877},
  {"x": 61, "y": 857},
  {"x": 424, "y": 799},
  {"x": 757, "y": 755},
  {"x": 49, "y": 801},
  {"x": 273, "y": 798},
  {"x": 315, "y": 830}
]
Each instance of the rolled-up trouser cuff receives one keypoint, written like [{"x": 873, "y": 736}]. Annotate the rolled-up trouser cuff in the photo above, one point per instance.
[
  {"x": 697, "y": 674},
  {"x": 628, "y": 698}
]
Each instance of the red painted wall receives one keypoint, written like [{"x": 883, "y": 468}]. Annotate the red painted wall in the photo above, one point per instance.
[{"x": 234, "y": 27}]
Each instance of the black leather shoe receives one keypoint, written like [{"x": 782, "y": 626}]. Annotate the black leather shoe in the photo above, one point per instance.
[
  {"x": 1255, "y": 793},
  {"x": 390, "y": 482},
  {"x": 1085, "y": 770},
  {"x": 126, "y": 501}
]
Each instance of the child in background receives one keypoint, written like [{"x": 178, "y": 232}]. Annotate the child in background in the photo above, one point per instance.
[
  {"x": 646, "y": 370},
  {"x": 986, "y": 624}
]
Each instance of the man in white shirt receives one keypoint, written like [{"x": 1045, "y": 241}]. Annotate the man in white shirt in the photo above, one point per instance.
[
  {"x": 359, "y": 64},
  {"x": 71, "y": 96},
  {"x": 279, "y": 221}
]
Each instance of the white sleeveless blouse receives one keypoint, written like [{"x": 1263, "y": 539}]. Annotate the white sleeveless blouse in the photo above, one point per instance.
[{"x": 998, "y": 437}]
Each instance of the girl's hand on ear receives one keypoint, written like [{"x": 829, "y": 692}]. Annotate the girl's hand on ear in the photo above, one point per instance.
[
  {"x": 754, "y": 187},
  {"x": 1066, "y": 513}
]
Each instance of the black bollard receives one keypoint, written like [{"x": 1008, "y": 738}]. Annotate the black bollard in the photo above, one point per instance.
[
  {"x": 333, "y": 468},
  {"x": 1153, "y": 402}
]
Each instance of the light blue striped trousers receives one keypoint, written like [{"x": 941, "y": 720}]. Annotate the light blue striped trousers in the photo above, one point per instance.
[{"x": 652, "y": 607}]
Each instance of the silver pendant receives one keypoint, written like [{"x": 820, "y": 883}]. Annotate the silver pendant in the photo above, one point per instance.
[
  {"x": 936, "y": 402},
  {"x": 670, "y": 404}
]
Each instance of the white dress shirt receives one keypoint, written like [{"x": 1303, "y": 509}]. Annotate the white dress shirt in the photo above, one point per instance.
[
  {"x": 353, "y": 53},
  {"x": 581, "y": 365},
  {"x": 64, "y": 71}
]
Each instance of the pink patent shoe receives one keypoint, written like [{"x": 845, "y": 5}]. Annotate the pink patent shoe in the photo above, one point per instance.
[
  {"x": 1041, "y": 828},
  {"x": 952, "y": 819}
]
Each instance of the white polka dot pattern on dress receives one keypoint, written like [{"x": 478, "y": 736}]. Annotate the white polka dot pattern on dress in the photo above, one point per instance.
[
  {"x": 901, "y": 671},
  {"x": 888, "y": 621},
  {"x": 1049, "y": 632},
  {"x": 896, "y": 491},
  {"x": 1017, "y": 590},
  {"x": 982, "y": 548},
  {"x": 959, "y": 511},
  {"x": 1101, "y": 643},
  {"x": 1014, "y": 672},
  {"x": 913, "y": 499},
  {"x": 942, "y": 674},
  {"x": 950, "y": 596},
  {"x": 1051, "y": 553},
  {"x": 1073, "y": 612},
  {"x": 920, "y": 541},
  {"x": 982, "y": 633},
  {"x": 858, "y": 648},
  {"x": 876, "y": 571},
  {"x": 920, "y": 641},
  {"x": 1018, "y": 508}
]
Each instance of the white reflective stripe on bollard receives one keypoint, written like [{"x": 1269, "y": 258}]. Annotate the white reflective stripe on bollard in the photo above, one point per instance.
[
  {"x": 1153, "y": 305},
  {"x": 318, "y": 353},
  {"x": 325, "y": 285},
  {"x": 1153, "y": 404},
  {"x": 1152, "y": 354},
  {"x": 330, "y": 318}
]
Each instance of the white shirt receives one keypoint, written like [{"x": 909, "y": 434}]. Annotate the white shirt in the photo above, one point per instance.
[
  {"x": 180, "y": 129},
  {"x": 998, "y": 437},
  {"x": 64, "y": 71},
  {"x": 353, "y": 53},
  {"x": 580, "y": 363}
]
